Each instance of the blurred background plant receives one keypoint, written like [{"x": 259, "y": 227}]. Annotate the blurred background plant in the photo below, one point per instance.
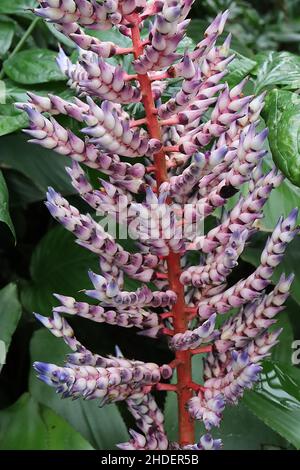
[
  {"x": 258, "y": 25},
  {"x": 38, "y": 257}
]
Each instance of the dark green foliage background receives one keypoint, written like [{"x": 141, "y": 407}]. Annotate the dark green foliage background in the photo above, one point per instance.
[{"x": 38, "y": 257}]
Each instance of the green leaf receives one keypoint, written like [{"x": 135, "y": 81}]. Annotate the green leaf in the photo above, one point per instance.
[
  {"x": 276, "y": 400},
  {"x": 196, "y": 29},
  {"x": 103, "y": 428},
  {"x": 282, "y": 351},
  {"x": 281, "y": 201},
  {"x": 10, "y": 314},
  {"x": 282, "y": 115},
  {"x": 238, "y": 69},
  {"x": 186, "y": 43},
  {"x": 16, "y": 6},
  {"x": 43, "y": 167},
  {"x": 16, "y": 92},
  {"x": 239, "y": 430},
  {"x": 4, "y": 210},
  {"x": 58, "y": 265},
  {"x": 27, "y": 425},
  {"x": 21, "y": 189},
  {"x": 33, "y": 66},
  {"x": 7, "y": 30},
  {"x": 62, "y": 39},
  {"x": 277, "y": 68},
  {"x": 11, "y": 119},
  {"x": 111, "y": 35}
]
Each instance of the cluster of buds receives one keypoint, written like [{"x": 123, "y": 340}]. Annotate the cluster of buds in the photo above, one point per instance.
[
  {"x": 126, "y": 317},
  {"x": 239, "y": 375},
  {"x": 92, "y": 14},
  {"x": 109, "y": 293},
  {"x": 112, "y": 380},
  {"x": 206, "y": 408},
  {"x": 165, "y": 35},
  {"x": 191, "y": 339},
  {"x": 250, "y": 288},
  {"x": 96, "y": 77},
  {"x": 110, "y": 384},
  {"x": 253, "y": 318},
  {"x": 150, "y": 420},
  {"x": 172, "y": 158},
  {"x": 219, "y": 265},
  {"x": 92, "y": 236}
]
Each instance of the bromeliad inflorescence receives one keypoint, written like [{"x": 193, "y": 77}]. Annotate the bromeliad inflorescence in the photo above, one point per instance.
[{"x": 184, "y": 158}]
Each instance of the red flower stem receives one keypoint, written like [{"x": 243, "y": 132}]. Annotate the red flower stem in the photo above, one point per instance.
[
  {"x": 202, "y": 350},
  {"x": 191, "y": 310},
  {"x": 166, "y": 315},
  {"x": 150, "y": 169},
  {"x": 196, "y": 387},
  {"x": 138, "y": 122},
  {"x": 180, "y": 321},
  {"x": 167, "y": 331},
  {"x": 173, "y": 364},
  {"x": 166, "y": 387},
  {"x": 169, "y": 122},
  {"x": 123, "y": 50},
  {"x": 162, "y": 276},
  {"x": 127, "y": 77},
  {"x": 172, "y": 148}
]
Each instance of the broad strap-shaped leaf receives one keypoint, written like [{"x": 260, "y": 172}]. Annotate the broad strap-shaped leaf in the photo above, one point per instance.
[
  {"x": 11, "y": 119},
  {"x": 282, "y": 114},
  {"x": 45, "y": 430},
  {"x": 33, "y": 66},
  {"x": 10, "y": 313},
  {"x": 276, "y": 400},
  {"x": 57, "y": 265},
  {"x": 4, "y": 209},
  {"x": 17, "y": 6},
  {"x": 7, "y": 30},
  {"x": 42, "y": 167},
  {"x": 277, "y": 69}
]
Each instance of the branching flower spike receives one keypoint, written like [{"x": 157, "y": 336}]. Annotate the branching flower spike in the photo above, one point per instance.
[{"x": 162, "y": 173}]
